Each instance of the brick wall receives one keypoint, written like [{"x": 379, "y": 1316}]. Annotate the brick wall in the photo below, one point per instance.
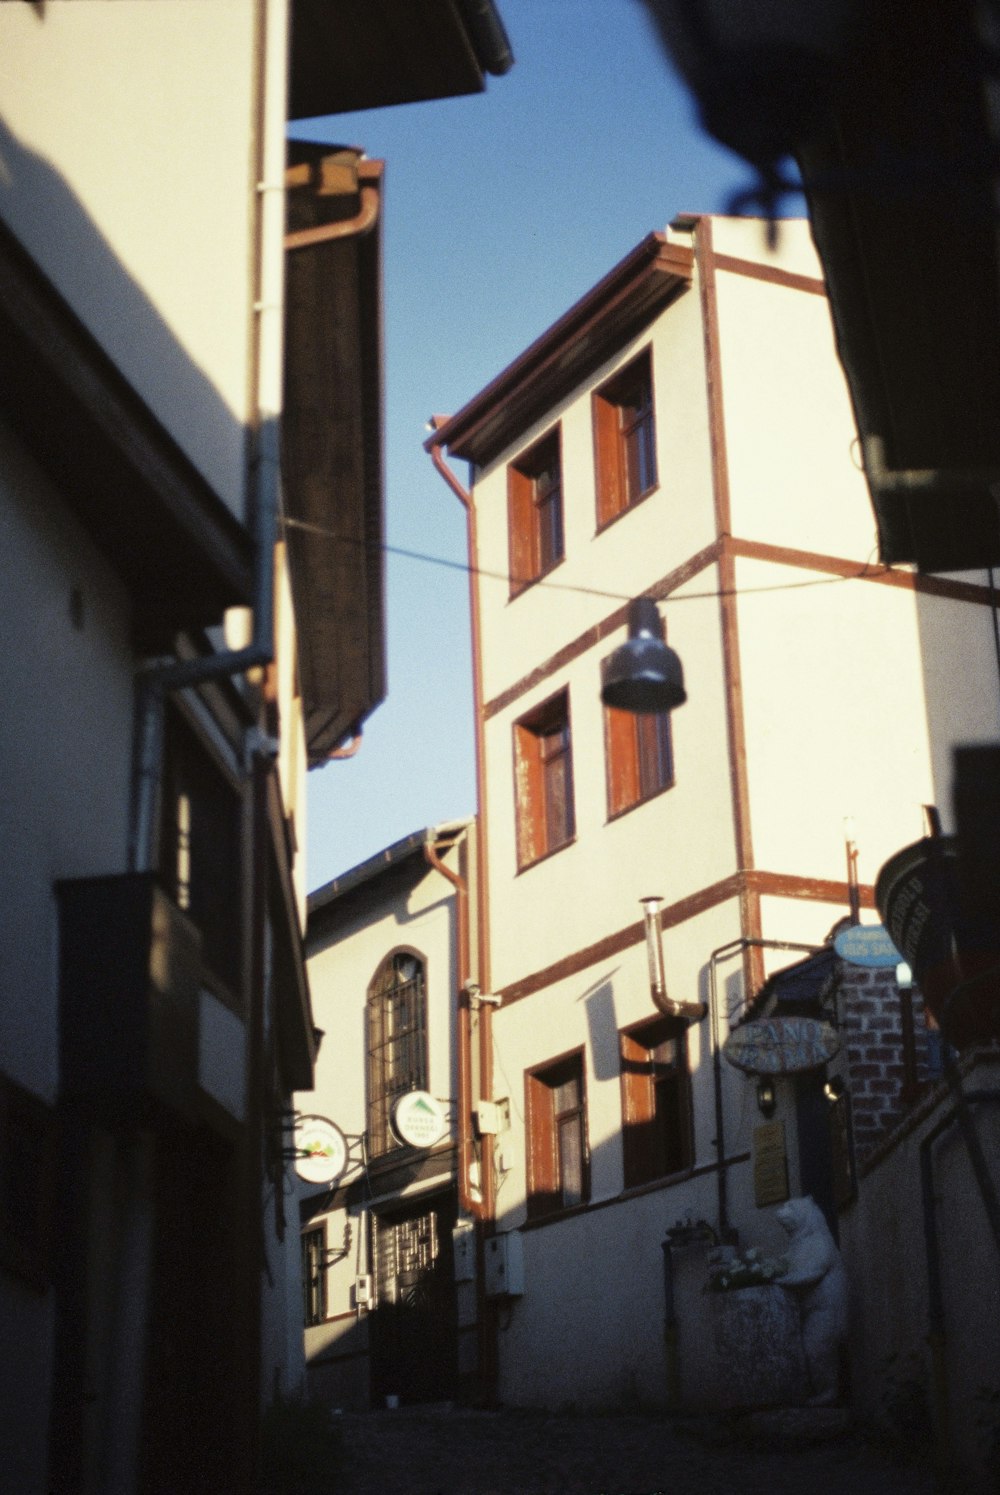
[{"x": 870, "y": 1007}]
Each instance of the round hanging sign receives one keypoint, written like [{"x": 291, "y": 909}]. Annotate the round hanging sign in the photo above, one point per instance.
[
  {"x": 867, "y": 945},
  {"x": 320, "y": 1150},
  {"x": 418, "y": 1119},
  {"x": 781, "y": 1045}
]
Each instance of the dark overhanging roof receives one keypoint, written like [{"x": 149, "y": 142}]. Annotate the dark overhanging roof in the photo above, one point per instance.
[
  {"x": 903, "y": 207},
  {"x": 364, "y": 54},
  {"x": 389, "y": 860},
  {"x": 592, "y": 330},
  {"x": 332, "y": 460}
]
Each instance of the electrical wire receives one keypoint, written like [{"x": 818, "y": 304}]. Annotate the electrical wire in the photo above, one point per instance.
[{"x": 866, "y": 571}]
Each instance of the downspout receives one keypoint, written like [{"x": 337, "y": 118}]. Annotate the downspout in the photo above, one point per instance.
[
  {"x": 460, "y": 884},
  {"x": 489, "y": 1346}
]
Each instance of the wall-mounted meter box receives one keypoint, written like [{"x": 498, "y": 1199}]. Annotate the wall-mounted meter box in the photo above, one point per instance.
[
  {"x": 464, "y": 1248},
  {"x": 505, "y": 1265},
  {"x": 363, "y": 1291}
]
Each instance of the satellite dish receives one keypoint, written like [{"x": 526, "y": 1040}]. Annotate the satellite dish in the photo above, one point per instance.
[{"x": 320, "y": 1150}]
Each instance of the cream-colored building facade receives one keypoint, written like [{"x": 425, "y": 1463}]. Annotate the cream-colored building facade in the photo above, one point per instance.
[
  {"x": 683, "y": 433},
  {"x": 388, "y": 1255}
]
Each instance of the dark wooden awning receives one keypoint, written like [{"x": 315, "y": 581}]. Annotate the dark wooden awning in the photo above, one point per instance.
[
  {"x": 332, "y": 461},
  {"x": 365, "y": 54}
]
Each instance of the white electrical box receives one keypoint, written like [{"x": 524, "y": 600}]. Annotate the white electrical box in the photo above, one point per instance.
[
  {"x": 464, "y": 1246},
  {"x": 363, "y": 1291},
  {"x": 487, "y": 1118},
  {"x": 504, "y": 1265}
]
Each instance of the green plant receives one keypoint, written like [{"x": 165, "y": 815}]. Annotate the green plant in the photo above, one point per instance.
[{"x": 751, "y": 1269}]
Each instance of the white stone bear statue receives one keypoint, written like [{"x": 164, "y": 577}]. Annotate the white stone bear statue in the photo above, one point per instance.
[{"x": 815, "y": 1274}]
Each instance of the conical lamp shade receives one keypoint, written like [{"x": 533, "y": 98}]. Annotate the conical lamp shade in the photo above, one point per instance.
[{"x": 644, "y": 675}]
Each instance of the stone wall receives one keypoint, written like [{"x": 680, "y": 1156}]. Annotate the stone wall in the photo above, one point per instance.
[{"x": 871, "y": 1020}]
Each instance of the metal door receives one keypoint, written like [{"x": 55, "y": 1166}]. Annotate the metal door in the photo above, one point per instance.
[{"x": 413, "y": 1326}]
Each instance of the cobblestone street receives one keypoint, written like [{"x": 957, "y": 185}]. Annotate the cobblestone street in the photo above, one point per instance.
[{"x": 445, "y": 1452}]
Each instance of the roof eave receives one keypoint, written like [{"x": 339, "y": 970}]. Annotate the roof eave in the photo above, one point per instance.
[{"x": 584, "y": 337}]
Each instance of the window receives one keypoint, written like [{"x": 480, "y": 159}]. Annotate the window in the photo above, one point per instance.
[
  {"x": 543, "y": 767},
  {"x": 558, "y": 1161},
  {"x": 535, "y": 512},
  {"x": 639, "y": 756},
  {"x": 200, "y": 859},
  {"x": 314, "y": 1275},
  {"x": 624, "y": 439},
  {"x": 656, "y": 1101},
  {"x": 397, "y": 1042}
]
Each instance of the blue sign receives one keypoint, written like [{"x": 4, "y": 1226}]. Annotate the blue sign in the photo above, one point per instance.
[{"x": 867, "y": 945}]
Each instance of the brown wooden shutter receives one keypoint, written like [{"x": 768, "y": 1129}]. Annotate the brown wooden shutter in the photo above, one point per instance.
[
  {"x": 622, "y": 759},
  {"x": 520, "y": 529},
  {"x": 607, "y": 460}
]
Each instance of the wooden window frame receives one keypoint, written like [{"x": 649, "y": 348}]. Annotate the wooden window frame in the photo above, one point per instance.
[
  {"x": 535, "y": 525},
  {"x": 639, "y": 757},
  {"x": 657, "y": 1122},
  {"x": 314, "y": 1288},
  {"x": 547, "y": 1186},
  {"x": 201, "y": 851},
  {"x": 546, "y": 819},
  {"x": 619, "y": 487},
  {"x": 396, "y": 1061}
]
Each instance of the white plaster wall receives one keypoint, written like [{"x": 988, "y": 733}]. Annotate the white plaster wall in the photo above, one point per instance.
[
  {"x": 961, "y": 685},
  {"x": 794, "y": 464},
  {"x": 678, "y": 842},
  {"x": 600, "y": 571},
  {"x": 65, "y": 741},
  {"x": 835, "y": 720},
  {"x": 65, "y": 744},
  {"x": 746, "y": 238},
  {"x": 339, "y": 974},
  {"x": 127, "y": 170}
]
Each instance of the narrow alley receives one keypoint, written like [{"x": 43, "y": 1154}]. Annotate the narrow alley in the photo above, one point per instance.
[{"x": 440, "y": 1451}]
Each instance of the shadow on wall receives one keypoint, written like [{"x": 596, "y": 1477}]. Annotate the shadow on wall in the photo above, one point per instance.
[{"x": 55, "y": 228}]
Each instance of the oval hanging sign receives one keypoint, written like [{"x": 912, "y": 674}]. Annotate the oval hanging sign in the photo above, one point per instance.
[
  {"x": 781, "y": 1045},
  {"x": 418, "y": 1119},
  {"x": 867, "y": 945},
  {"x": 320, "y": 1150}
]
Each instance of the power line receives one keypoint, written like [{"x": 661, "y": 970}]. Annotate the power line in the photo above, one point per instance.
[{"x": 564, "y": 586}]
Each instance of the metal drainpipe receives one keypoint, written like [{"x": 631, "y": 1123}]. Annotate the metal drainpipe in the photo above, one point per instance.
[
  {"x": 489, "y": 1342},
  {"x": 433, "y": 856},
  {"x": 482, "y": 880},
  {"x": 731, "y": 948}
]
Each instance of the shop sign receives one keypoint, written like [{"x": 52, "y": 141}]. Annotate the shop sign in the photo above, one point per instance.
[
  {"x": 418, "y": 1119},
  {"x": 320, "y": 1150},
  {"x": 781, "y": 1045}
]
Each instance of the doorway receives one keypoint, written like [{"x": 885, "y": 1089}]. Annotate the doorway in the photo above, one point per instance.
[{"x": 414, "y": 1338}]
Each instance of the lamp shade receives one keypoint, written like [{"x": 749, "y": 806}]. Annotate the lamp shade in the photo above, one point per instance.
[{"x": 643, "y": 675}]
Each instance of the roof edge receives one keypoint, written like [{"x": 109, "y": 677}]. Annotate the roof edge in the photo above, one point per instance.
[{"x": 465, "y": 434}]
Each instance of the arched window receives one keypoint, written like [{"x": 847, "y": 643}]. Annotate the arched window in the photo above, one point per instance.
[{"x": 397, "y": 1042}]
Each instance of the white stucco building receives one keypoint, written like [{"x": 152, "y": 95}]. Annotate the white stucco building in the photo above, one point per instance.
[
  {"x": 682, "y": 433},
  {"x": 388, "y": 1247}
]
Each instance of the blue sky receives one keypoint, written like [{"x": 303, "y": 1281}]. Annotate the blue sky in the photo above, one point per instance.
[{"x": 501, "y": 210}]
